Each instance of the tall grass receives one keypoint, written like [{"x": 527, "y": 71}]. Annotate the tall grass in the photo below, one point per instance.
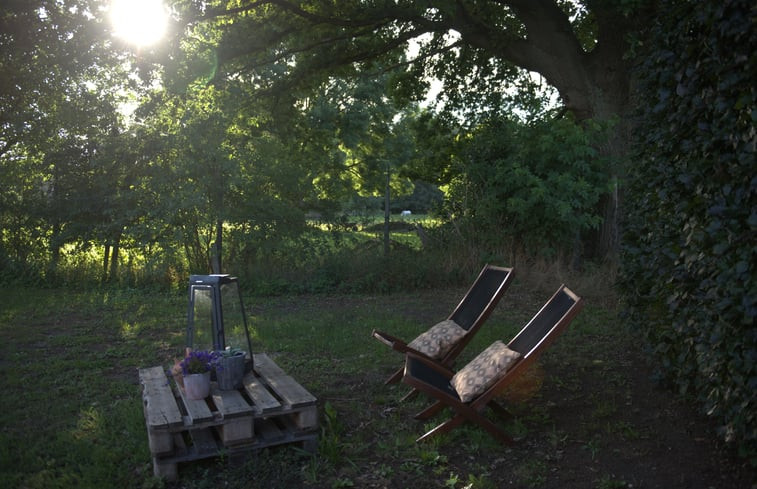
[{"x": 342, "y": 256}]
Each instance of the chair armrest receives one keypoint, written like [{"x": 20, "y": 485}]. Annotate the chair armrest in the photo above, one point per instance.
[
  {"x": 391, "y": 341},
  {"x": 430, "y": 363}
]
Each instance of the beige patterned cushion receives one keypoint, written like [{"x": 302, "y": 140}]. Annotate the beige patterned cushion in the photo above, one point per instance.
[
  {"x": 439, "y": 339},
  {"x": 483, "y": 371}
]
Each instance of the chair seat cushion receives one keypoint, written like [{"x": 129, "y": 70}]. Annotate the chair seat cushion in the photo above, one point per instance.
[
  {"x": 439, "y": 339},
  {"x": 483, "y": 371}
]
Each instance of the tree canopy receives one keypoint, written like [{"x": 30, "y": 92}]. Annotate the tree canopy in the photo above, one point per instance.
[
  {"x": 473, "y": 47},
  {"x": 486, "y": 55}
]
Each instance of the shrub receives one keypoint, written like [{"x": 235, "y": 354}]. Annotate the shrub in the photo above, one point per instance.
[{"x": 533, "y": 186}]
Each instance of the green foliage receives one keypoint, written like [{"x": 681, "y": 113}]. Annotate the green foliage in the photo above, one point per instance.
[
  {"x": 529, "y": 188},
  {"x": 425, "y": 197},
  {"x": 248, "y": 136},
  {"x": 194, "y": 164},
  {"x": 338, "y": 261},
  {"x": 483, "y": 54},
  {"x": 62, "y": 83},
  {"x": 330, "y": 445},
  {"x": 690, "y": 275}
]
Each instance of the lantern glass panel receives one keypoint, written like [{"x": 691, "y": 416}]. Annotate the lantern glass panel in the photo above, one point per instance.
[
  {"x": 202, "y": 313},
  {"x": 234, "y": 321},
  {"x": 216, "y": 317}
]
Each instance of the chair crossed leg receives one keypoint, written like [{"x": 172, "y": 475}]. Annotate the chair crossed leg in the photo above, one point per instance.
[{"x": 463, "y": 413}]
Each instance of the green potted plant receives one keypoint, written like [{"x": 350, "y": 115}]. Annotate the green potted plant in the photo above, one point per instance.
[
  {"x": 231, "y": 371},
  {"x": 195, "y": 370}
]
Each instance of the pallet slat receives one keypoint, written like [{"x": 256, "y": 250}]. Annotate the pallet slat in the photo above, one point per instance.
[
  {"x": 291, "y": 392},
  {"x": 263, "y": 400},
  {"x": 265, "y": 367},
  {"x": 231, "y": 404},
  {"x": 197, "y": 409},
  {"x": 161, "y": 410},
  {"x": 203, "y": 442}
]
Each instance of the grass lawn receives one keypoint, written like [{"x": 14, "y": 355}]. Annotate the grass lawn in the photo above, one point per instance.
[{"x": 589, "y": 416}]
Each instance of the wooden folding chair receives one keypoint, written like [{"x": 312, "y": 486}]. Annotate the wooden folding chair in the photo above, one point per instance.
[
  {"x": 438, "y": 381},
  {"x": 472, "y": 311}
]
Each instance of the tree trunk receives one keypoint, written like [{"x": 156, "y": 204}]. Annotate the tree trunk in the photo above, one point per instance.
[
  {"x": 216, "y": 248},
  {"x": 114, "y": 256},
  {"x": 106, "y": 258},
  {"x": 54, "y": 249},
  {"x": 387, "y": 213},
  {"x": 605, "y": 243}
]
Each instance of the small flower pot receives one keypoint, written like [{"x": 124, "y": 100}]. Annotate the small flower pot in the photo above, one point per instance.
[
  {"x": 231, "y": 371},
  {"x": 197, "y": 386}
]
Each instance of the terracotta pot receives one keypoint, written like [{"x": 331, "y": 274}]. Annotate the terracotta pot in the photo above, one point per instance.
[{"x": 197, "y": 386}]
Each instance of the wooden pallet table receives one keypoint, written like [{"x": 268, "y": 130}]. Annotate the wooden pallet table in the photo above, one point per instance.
[{"x": 271, "y": 409}]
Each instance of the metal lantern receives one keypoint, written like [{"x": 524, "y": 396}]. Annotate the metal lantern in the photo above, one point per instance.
[{"x": 216, "y": 317}]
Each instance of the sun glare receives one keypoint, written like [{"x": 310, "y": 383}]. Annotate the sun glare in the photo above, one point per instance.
[{"x": 139, "y": 22}]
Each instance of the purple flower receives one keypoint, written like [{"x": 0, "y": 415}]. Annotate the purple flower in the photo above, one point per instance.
[{"x": 199, "y": 362}]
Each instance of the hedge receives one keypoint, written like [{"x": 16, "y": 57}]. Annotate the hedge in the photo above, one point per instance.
[{"x": 688, "y": 258}]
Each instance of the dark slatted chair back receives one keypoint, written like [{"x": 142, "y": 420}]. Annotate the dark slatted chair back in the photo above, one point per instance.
[
  {"x": 550, "y": 317},
  {"x": 486, "y": 289}
]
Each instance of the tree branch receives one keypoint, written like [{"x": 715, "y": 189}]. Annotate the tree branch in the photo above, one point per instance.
[{"x": 535, "y": 35}]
